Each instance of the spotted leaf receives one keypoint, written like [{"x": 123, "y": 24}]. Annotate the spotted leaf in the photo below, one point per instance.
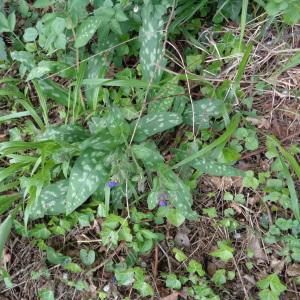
[
  {"x": 155, "y": 123},
  {"x": 67, "y": 133},
  {"x": 54, "y": 91},
  {"x": 213, "y": 168},
  {"x": 179, "y": 193},
  {"x": 204, "y": 110},
  {"x": 51, "y": 201},
  {"x": 87, "y": 175},
  {"x": 86, "y": 30},
  {"x": 148, "y": 154},
  {"x": 163, "y": 99},
  {"x": 151, "y": 35}
]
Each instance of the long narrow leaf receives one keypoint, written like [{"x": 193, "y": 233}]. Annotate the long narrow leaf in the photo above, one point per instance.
[
  {"x": 5, "y": 229},
  {"x": 223, "y": 138},
  {"x": 292, "y": 190}
]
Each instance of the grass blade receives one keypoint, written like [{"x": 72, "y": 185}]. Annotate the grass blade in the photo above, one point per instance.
[
  {"x": 289, "y": 157},
  {"x": 292, "y": 190},
  {"x": 220, "y": 140},
  {"x": 42, "y": 100}
]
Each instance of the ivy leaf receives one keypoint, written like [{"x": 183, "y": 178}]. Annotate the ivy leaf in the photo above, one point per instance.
[
  {"x": 87, "y": 175},
  {"x": 225, "y": 252},
  {"x": 172, "y": 282},
  {"x": 51, "y": 201},
  {"x": 154, "y": 123},
  {"x": 273, "y": 282},
  {"x": 87, "y": 256},
  {"x": 144, "y": 288},
  {"x": 86, "y": 30},
  {"x": 5, "y": 229},
  {"x": 46, "y": 294},
  {"x": 195, "y": 267},
  {"x": 179, "y": 255}
]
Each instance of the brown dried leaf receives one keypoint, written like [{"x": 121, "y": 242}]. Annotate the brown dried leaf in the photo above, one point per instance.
[
  {"x": 255, "y": 244},
  {"x": 173, "y": 296},
  {"x": 260, "y": 122},
  {"x": 293, "y": 270}
]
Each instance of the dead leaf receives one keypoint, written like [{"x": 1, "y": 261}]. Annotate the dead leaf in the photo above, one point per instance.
[
  {"x": 236, "y": 208},
  {"x": 260, "y": 122},
  {"x": 255, "y": 244},
  {"x": 293, "y": 270},
  {"x": 182, "y": 239},
  {"x": 277, "y": 265},
  {"x": 173, "y": 296},
  {"x": 224, "y": 183}
]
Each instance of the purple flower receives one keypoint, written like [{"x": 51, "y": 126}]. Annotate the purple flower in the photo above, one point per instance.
[
  {"x": 112, "y": 184},
  {"x": 163, "y": 203}
]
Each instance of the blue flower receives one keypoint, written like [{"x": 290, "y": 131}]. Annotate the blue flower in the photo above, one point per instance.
[
  {"x": 163, "y": 203},
  {"x": 112, "y": 184}
]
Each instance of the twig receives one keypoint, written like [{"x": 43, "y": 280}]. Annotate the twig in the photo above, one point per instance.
[{"x": 241, "y": 278}]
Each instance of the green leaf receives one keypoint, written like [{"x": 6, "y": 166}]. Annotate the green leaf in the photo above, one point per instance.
[
  {"x": 172, "y": 282},
  {"x": 292, "y": 190},
  {"x": 64, "y": 133},
  {"x": 42, "y": 3},
  {"x": 86, "y": 30},
  {"x": 54, "y": 91},
  {"x": 3, "y": 54},
  {"x": 163, "y": 99},
  {"x": 250, "y": 181},
  {"x": 225, "y": 252},
  {"x": 46, "y": 294},
  {"x": 219, "y": 278},
  {"x": 203, "y": 110},
  {"x": 151, "y": 34},
  {"x": 208, "y": 166},
  {"x": 11, "y": 19},
  {"x": 40, "y": 231},
  {"x": 195, "y": 267},
  {"x": 125, "y": 277},
  {"x": 87, "y": 256},
  {"x": 57, "y": 258},
  {"x": 273, "y": 282},
  {"x": 72, "y": 267},
  {"x": 154, "y": 123},
  {"x": 5, "y": 229},
  {"x": 144, "y": 288},
  {"x": 268, "y": 295},
  {"x": 179, "y": 255},
  {"x": 51, "y": 201},
  {"x": 87, "y": 175},
  {"x": 219, "y": 141},
  {"x": 4, "y": 26},
  {"x": 179, "y": 194},
  {"x": 30, "y": 34},
  {"x": 148, "y": 154},
  {"x": 175, "y": 217}
]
